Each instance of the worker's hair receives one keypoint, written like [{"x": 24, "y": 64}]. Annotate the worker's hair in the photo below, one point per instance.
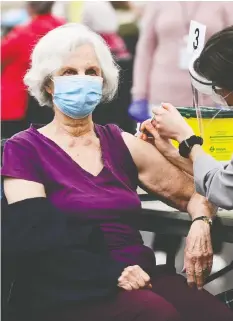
[
  {"x": 50, "y": 52},
  {"x": 41, "y": 7},
  {"x": 215, "y": 62}
]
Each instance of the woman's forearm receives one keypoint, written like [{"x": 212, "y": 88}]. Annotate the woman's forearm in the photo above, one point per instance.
[{"x": 200, "y": 206}]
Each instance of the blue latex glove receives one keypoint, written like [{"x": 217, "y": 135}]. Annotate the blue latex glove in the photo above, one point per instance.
[{"x": 139, "y": 110}]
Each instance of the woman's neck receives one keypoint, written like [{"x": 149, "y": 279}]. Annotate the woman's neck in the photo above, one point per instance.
[{"x": 72, "y": 127}]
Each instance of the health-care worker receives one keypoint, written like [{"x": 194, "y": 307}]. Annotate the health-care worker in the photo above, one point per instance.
[{"x": 211, "y": 74}]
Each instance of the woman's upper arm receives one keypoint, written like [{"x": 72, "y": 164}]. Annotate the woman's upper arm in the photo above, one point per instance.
[
  {"x": 16, "y": 190},
  {"x": 21, "y": 171},
  {"x": 157, "y": 174}
]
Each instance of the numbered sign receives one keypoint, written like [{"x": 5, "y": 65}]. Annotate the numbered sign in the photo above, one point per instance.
[{"x": 196, "y": 40}]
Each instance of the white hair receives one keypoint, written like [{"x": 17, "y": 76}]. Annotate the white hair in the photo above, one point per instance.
[{"x": 50, "y": 52}]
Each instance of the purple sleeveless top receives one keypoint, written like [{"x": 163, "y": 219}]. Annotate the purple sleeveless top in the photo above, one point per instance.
[{"x": 108, "y": 199}]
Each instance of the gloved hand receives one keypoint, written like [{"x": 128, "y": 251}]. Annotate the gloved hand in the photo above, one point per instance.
[{"x": 139, "y": 110}]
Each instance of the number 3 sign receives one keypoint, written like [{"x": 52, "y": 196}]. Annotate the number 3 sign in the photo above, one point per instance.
[{"x": 196, "y": 39}]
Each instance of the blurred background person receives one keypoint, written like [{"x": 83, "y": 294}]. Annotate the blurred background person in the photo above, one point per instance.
[
  {"x": 128, "y": 16},
  {"x": 101, "y": 17},
  {"x": 161, "y": 65},
  {"x": 16, "y": 48},
  {"x": 11, "y": 18}
]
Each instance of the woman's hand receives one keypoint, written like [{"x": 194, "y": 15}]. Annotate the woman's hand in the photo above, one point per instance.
[
  {"x": 198, "y": 255},
  {"x": 170, "y": 123},
  {"x": 134, "y": 278}
]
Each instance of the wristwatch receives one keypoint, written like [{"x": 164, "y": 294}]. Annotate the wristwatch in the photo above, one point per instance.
[
  {"x": 205, "y": 219},
  {"x": 186, "y": 145}
]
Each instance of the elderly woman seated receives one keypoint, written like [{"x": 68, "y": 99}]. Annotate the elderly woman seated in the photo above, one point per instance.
[{"x": 70, "y": 234}]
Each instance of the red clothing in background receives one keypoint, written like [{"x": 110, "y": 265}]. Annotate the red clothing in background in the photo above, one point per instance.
[
  {"x": 116, "y": 45},
  {"x": 16, "y": 49}
]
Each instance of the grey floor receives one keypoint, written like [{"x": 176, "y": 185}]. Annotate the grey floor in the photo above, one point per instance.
[{"x": 217, "y": 286}]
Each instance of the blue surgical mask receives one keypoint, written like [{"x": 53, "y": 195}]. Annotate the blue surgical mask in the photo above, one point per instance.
[{"x": 77, "y": 96}]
